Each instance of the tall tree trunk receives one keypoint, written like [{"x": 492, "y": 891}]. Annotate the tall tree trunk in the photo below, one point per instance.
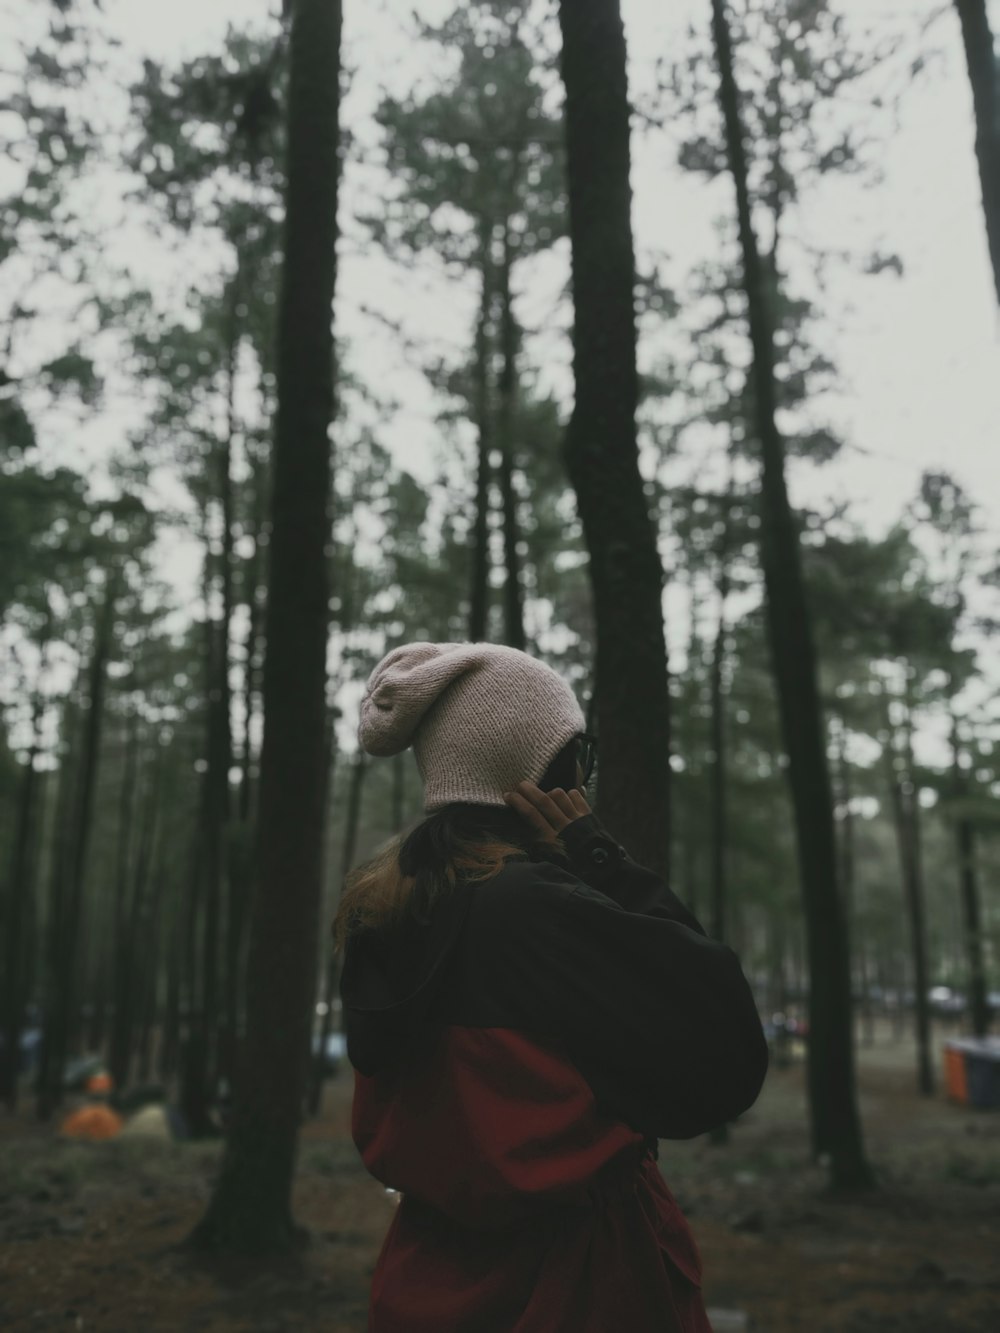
[
  {"x": 719, "y": 824},
  {"x": 315, "y": 1090},
  {"x": 60, "y": 1019},
  {"x": 192, "y": 1067},
  {"x": 49, "y": 1080},
  {"x": 144, "y": 904},
  {"x": 239, "y": 857},
  {"x": 33, "y": 959},
  {"x": 984, "y": 76},
  {"x": 232, "y": 889},
  {"x": 905, "y": 805},
  {"x": 507, "y": 416},
  {"x": 353, "y": 818},
  {"x": 917, "y": 905},
  {"x": 718, "y": 835},
  {"x": 124, "y": 960},
  {"x": 633, "y": 710},
  {"x": 836, "y": 1127},
  {"x": 217, "y": 787},
  {"x": 965, "y": 846},
  {"x": 846, "y": 856},
  {"x": 149, "y": 993},
  {"x": 250, "y": 1211},
  {"x": 480, "y": 586},
  {"x": 170, "y": 1038},
  {"x": 19, "y": 892},
  {"x": 250, "y": 667},
  {"x": 718, "y": 838},
  {"x": 688, "y": 738},
  {"x": 865, "y": 980},
  {"x": 199, "y": 1062}
]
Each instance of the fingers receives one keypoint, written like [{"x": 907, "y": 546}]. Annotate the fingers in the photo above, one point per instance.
[
  {"x": 549, "y": 812},
  {"x": 579, "y": 800},
  {"x": 530, "y": 812},
  {"x": 541, "y": 804}
]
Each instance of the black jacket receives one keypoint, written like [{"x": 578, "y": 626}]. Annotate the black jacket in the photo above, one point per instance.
[{"x": 596, "y": 956}]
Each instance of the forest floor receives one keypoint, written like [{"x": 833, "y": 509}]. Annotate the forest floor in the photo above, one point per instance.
[{"x": 90, "y": 1231}]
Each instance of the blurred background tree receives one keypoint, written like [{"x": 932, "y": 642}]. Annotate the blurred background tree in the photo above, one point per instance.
[{"x": 139, "y": 400}]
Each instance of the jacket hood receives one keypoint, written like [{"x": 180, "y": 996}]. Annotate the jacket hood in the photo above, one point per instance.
[{"x": 388, "y": 980}]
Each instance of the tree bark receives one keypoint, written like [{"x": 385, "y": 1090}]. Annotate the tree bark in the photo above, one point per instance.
[
  {"x": 633, "y": 711},
  {"x": 480, "y": 586},
  {"x": 124, "y": 960},
  {"x": 918, "y": 913},
  {"x": 193, "y": 1095},
  {"x": 507, "y": 395},
  {"x": 965, "y": 846},
  {"x": 359, "y": 768},
  {"x": 836, "y": 1127},
  {"x": 170, "y": 1036},
  {"x": 250, "y": 669},
  {"x": 981, "y": 59},
  {"x": 250, "y": 1211},
  {"x": 19, "y": 893},
  {"x": 688, "y": 738},
  {"x": 719, "y": 822},
  {"x": 907, "y": 826},
  {"x": 206, "y": 881},
  {"x": 61, "y": 1016},
  {"x": 232, "y": 889},
  {"x": 846, "y": 850},
  {"x": 149, "y": 994},
  {"x": 239, "y": 855},
  {"x": 49, "y": 1081},
  {"x": 905, "y": 806}
]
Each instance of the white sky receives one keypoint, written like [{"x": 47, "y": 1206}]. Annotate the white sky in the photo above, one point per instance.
[{"x": 919, "y": 356}]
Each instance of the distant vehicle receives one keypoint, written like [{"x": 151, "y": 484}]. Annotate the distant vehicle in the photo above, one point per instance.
[
  {"x": 334, "y": 1053},
  {"x": 781, "y": 1024}
]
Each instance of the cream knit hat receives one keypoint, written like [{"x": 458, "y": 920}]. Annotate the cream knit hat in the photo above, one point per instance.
[{"x": 481, "y": 717}]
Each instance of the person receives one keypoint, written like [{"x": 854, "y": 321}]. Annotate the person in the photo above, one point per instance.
[{"x": 527, "y": 1011}]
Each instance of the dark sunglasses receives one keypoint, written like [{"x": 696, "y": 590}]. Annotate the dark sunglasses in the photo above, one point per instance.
[{"x": 586, "y": 754}]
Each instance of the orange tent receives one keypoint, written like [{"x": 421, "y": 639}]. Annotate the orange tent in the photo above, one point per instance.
[{"x": 92, "y": 1122}]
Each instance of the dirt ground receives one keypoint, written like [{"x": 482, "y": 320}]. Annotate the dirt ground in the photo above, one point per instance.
[{"x": 89, "y": 1230}]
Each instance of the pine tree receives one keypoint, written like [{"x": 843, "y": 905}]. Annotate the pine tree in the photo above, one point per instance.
[
  {"x": 835, "y": 1122},
  {"x": 601, "y": 447},
  {"x": 251, "y": 1208}
]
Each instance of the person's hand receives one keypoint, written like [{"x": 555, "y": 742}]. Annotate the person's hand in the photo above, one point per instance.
[{"x": 548, "y": 812}]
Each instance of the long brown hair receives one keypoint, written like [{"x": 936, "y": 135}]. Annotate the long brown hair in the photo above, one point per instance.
[{"x": 461, "y": 843}]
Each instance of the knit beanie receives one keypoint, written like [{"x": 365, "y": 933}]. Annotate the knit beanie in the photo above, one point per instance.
[{"x": 481, "y": 717}]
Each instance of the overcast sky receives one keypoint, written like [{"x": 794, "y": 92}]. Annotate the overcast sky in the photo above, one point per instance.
[{"x": 920, "y": 356}]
